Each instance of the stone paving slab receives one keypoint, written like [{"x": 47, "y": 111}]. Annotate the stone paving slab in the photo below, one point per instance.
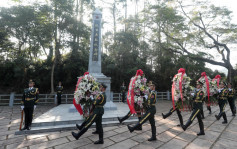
[{"x": 169, "y": 135}]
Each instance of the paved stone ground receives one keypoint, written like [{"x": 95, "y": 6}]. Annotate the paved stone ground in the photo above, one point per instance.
[{"x": 218, "y": 136}]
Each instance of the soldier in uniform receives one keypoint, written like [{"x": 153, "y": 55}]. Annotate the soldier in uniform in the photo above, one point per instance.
[
  {"x": 222, "y": 101},
  {"x": 98, "y": 112},
  {"x": 59, "y": 90},
  {"x": 29, "y": 101},
  {"x": 197, "y": 107},
  {"x": 231, "y": 99},
  {"x": 150, "y": 113},
  {"x": 177, "y": 111},
  {"x": 123, "y": 91}
]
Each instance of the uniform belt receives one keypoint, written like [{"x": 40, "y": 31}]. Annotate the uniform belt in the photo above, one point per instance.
[
  {"x": 231, "y": 95},
  {"x": 151, "y": 105},
  {"x": 223, "y": 98},
  {"x": 28, "y": 99},
  {"x": 197, "y": 101},
  {"x": 99, "y": 106}
]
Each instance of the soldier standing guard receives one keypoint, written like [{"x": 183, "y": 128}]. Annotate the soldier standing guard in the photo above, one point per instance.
[
  {"x": 150, "y": 113},
  {"x": 197, "y": 108},
  {"x": 123, "y": 91},
  {"x": 29, "y": 101},
  {"x": 222, "y": 101},
  {"x": 59, "y": 90},
  {"x": 98, "y": 112},
  {"x": 231, "y": 99}
]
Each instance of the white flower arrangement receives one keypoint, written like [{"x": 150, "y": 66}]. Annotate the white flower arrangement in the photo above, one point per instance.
[
  {"x": 214, "y": 87},
  {"x": 140, "y": 89},
  {"x": 204, "y": 87},
  {"x": 87, "y": 84},
  {"x": 186, "y": 88}
]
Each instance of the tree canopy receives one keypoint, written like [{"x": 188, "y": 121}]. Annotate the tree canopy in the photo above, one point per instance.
[{"x": 49, "y": 42}]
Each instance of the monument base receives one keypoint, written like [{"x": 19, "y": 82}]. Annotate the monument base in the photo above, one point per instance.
[
  {"x": 60, "y": 119},
  {"x": 101, "y": 78}
]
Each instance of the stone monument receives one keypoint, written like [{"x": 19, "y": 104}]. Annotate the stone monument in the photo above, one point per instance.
[{"x": 95, "y": 58}]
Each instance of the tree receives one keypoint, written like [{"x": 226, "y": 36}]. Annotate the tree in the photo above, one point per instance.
[{"x": 207, "y": 28}]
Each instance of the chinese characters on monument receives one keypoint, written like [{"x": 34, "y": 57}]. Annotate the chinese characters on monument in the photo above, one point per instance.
[{"x": 96, "y": 40}]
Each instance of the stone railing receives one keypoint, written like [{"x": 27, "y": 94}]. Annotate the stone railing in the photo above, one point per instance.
[{"x": 15, "y": 99}]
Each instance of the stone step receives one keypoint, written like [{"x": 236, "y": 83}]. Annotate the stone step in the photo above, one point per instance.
[
  {"x": 64, "y": 127},
  {"x": 55, "y": 123}
]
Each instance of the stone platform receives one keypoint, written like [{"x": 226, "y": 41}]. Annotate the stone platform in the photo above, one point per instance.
[
  {"x": 63, "y": 118},
  {"x": 218, "y": 136}
]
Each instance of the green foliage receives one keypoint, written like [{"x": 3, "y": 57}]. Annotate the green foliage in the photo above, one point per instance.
[{"x": 153, "y": 41}]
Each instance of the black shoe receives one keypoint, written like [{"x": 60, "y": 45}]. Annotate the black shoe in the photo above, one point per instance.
[
  {"x": 119, "y": 120},
  {"x": 152, "y": 139},
  {"x": 163, "y": 116},
  {"x": 233, "y": 114},
  {"x": 217, "y": 118},
  {"x": 78, "y": 127},
  {"x": 75, "y": 135},
  {"x": 210, "y": 112},
  {"x": 99, "y": 142},
  {"x": 184, "y": 128},
  {"x": 28, "y": 128},
  {"x": 95, "y": 132},
  {"x": 224, "y": 122},
  {"x": 201, "y": 133},
  {"x": 130, "y": 128},
  {"x": 139, "y": 128},
  {"x": 24, "y": 128},
  {"x": 178, "y": 125}
]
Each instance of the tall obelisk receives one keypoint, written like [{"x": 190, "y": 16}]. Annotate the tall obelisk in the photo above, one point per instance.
[{"x": 95, "y": 57}]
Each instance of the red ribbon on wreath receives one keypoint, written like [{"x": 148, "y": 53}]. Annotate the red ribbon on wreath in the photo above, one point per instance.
[
  {"x": 203, "y": 74},
  {"x": 218, "y": 78},
  {"x": 86, "y": 73},
  {"x": 181, "y": 70},
  {"x": 131, "y": 92},
  {"x": 78, "y": 106}
]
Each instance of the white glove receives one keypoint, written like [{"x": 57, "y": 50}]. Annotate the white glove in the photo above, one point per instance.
[
  {"x": 192, "y": 94},
  {"x": 22, "y": 107},
  {"x": 34, "y": 107},
  {"x": 91, "y": 97},
  {"x": 146, "y": 96}
]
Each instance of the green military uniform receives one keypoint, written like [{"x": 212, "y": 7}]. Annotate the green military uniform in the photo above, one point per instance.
[
  {"x": 231, "y": 100},
  {"x": 177, "y": 111},
  {"x": 222, "y": 101},
  {"x": 149, "y": 115},
  {"x": 123, "y": 91},
  {"x": 59, "y": 90},
  {"x": 29, "y": 100},
  {"x": 96, "y": 116},
  {"x": 197, "y": 108}
]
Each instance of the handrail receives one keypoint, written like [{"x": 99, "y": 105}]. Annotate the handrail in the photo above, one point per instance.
[{"x": 66, "y": 98}]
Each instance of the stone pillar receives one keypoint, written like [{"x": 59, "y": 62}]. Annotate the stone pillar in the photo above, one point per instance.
[
  {"x": 95, "y": 56},
  {"x": 12, "y": 97}
]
